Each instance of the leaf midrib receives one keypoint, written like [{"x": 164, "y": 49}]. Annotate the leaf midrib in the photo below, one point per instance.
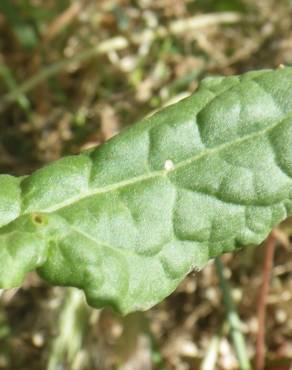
[{"x": 163, "y": 172}]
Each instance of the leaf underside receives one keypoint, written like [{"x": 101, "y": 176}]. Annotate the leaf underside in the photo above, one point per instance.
[{"x": 127, "y": 221}]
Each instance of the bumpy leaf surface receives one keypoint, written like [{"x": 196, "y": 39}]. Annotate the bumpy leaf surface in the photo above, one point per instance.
[{"x": 128, "y": 220}]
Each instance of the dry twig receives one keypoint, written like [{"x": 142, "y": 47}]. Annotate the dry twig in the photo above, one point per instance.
[{"x": 267, "y": 267}]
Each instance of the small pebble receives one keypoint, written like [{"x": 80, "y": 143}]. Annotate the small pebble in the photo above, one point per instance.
[{"x": 38, "y": 340}]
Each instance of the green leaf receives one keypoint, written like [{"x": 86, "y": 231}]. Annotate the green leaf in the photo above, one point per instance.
[
  {"x": 128, "y": 220},
  {"x": 24, "y": 32}
]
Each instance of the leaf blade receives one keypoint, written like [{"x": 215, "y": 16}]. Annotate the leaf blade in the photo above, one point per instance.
[{"x": 127, "y": 221}]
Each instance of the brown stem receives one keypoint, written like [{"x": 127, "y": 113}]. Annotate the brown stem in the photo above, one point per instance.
[{"x": 267, "y": 267}]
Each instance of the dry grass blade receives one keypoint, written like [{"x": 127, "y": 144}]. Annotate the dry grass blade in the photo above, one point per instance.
[{"x": 267, "y": 267}]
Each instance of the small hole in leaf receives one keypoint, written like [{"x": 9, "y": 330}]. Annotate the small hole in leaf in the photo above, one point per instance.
[{"x": 38, "y": 219}]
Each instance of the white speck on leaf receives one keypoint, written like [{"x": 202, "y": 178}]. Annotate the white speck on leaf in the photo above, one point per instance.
[{"x": 168, "y": 165}]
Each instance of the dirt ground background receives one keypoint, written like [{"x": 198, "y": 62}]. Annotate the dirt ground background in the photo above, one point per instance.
[{"x": 73, "y": 74}]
